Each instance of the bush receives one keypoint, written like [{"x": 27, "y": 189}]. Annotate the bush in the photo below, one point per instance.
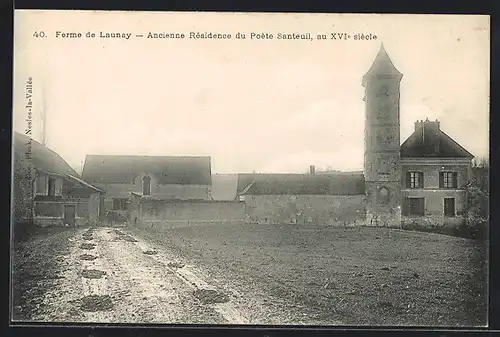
[{"x": 476, "y": 211}]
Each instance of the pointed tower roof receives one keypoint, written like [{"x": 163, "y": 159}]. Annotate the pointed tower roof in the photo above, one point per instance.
[{"x": 382, "y": 67}]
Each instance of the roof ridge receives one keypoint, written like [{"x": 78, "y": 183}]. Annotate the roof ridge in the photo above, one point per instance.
[{"x": 143, "y": 156}]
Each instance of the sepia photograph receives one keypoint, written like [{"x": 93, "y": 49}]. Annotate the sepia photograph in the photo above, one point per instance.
[{"x": 286, "y": 169}]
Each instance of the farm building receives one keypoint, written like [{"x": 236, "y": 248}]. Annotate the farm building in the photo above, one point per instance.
[
  {"x": 130, "y": 182},
  {"x": 47, "y": 191},
  {"x": 332, "y": 198}
]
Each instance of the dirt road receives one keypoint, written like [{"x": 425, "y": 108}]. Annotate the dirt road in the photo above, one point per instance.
[
  {"x": 226, "y": 274},
  {"x": 108, "y": 276}
]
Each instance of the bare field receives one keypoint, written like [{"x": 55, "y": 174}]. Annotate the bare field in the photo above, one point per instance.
[
  {"x": 249, "y": 274},
  {"x": 356, "y": 276}
]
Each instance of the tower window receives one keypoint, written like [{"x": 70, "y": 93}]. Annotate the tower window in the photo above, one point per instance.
[
  {"x": 448, "y": 180},
  {"x": 383, "y": 195},
  {"x": 383, "y": 90},
  {"x": 414, "y": 179}
]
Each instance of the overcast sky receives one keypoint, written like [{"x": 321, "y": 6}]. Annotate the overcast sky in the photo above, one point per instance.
[{"x": 268, "y": 106}]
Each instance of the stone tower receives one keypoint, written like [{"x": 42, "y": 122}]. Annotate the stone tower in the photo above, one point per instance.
[{"x": 382, "y": 166}]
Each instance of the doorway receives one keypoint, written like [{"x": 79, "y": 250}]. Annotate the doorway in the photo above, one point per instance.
[{"x": 69, "y": 215}]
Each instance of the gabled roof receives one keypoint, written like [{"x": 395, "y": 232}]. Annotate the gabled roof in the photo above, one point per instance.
[
  {"x": 41, "y": 157},
  {"x": 344, "y": 183},
  {"x": 83, "y": 183},
  {"x": 382, "y": 66},
  {"x": 442, "y": 145},
  {"x": 224, "y": 186},
  {"x": 168, "y": 170}
]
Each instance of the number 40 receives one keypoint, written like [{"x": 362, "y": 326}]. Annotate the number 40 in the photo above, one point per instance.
[{"x": 39, "y": 34}]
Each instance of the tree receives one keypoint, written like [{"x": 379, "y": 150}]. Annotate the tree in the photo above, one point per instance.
[{"x": 477, "y": 199}]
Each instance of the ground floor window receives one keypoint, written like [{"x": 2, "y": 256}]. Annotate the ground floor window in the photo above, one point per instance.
[
  {"x": 449, "y": 206},
  {"x": 119, "y": 204},
  {"x": 414, "y": 207}
]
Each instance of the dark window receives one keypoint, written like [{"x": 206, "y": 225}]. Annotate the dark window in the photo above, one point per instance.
[
  {"x": 119, "y": 204},
  {"x": 146, "y": 185},
  {"x": 414, "y": 179},
  {"x": 414, "y": 207},
  {"x": 449, "y": 206},
  {"x": 448, "y": 180},
  {"x": 52, "y": 187}
]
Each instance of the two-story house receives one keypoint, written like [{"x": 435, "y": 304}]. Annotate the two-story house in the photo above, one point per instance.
[
  {"x": 46, "y": 190},
  {"x": 435, "y": 172},
  {"x": 130, "y": 178}
]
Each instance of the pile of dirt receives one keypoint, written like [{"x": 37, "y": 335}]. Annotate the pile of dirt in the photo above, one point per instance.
[
  {"x": 210, "y": 296},
  {"x": 87, "y": 237},
  {"x": 95, "y": 303},
  {"x": 129, "y": 238},
  {"x": 123, "y": 237},
  {"x": 88, "y": 257},
  {"x": 93, "y": 273},
  {"x": 150, "y": 252},
  {"x": 87, "y": 246},
  {"x": 175, "y": 264}
]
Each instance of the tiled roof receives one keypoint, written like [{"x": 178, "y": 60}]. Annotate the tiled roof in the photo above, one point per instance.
[
  {"x": 345, "y": 183},
  {"x": 168, "y": 170},
  {"x": 382, "y": 66},
  {"x": 428, "y": 142},
  {"x": 41, "y": 157}
]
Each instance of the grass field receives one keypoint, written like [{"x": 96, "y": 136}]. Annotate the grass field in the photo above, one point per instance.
[{"x": 359, "y": 276}]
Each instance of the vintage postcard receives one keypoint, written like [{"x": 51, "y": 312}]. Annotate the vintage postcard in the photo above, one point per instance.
[{"x": 250, "y": 168}]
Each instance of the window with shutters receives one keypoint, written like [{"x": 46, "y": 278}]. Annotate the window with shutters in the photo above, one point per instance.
[
  {"x": 414, "y": 179},
  {"x": 449, "y": 206},
  {"x": 448, "y": 180},
  {"x": 414, "y": 207}
]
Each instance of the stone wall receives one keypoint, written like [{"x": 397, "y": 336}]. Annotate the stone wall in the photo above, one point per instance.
[
  {"x": 183, "y": 213},
  {"x": 318, "y": 209}
]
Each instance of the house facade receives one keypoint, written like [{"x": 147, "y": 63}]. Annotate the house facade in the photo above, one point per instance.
[
  {"x": 436, "y": 173},
  {"x": 423, "y": 180},
  {"x": 125, "y": 178},
  {"x": 47, "y": 191}
]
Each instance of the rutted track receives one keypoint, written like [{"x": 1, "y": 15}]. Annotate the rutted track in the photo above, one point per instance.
[{"x": 114, "y": 278}]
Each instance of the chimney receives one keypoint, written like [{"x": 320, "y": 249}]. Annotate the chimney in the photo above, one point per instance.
[
  {"x": 312, "y": 169},
  {"x": 432, "y": 136},
  {"x": 418, "y": 124}
]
